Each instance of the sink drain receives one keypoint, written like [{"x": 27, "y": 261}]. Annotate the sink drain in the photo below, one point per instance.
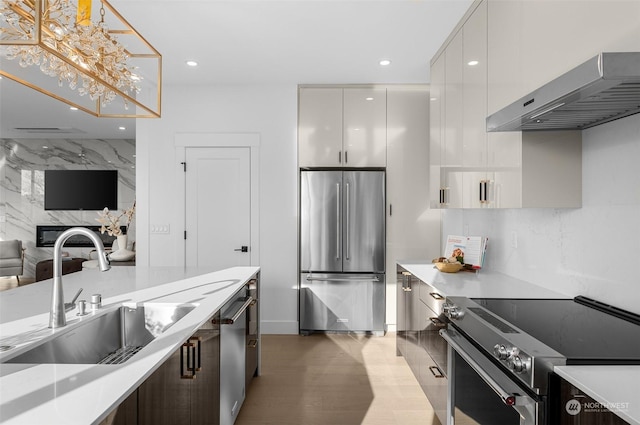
[{"x": 6, "y": 347}]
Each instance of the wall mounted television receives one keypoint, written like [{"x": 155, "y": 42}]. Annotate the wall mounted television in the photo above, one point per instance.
[{"x": 70, "y": 190}]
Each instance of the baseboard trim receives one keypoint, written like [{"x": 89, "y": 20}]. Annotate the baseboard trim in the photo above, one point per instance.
[{"x": 279, "y": 327}]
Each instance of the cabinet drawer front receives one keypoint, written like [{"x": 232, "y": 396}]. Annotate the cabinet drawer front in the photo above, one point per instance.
[{"x": 432, "y": 298}]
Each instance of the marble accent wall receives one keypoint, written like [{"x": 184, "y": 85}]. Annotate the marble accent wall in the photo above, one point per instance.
[{"x": 22, "y": 165}]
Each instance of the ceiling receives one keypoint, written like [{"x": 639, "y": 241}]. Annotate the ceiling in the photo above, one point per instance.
[{"x": 256, "y": 42}]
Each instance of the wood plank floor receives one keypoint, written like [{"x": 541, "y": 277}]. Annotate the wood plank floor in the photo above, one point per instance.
[
  {"x": 10, "y": 282},
  {"x": 334, "y": 379}
]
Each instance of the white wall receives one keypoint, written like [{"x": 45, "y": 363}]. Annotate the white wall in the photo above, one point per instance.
[
  {"x": 271, "y": 112},
  {"x": 593, "y": 250}
]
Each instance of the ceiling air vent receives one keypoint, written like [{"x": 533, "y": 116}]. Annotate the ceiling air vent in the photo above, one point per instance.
[{"x": 38, "y": 130}]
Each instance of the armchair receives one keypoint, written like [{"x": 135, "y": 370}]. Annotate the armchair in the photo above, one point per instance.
[{"x": 11, "y": 258}]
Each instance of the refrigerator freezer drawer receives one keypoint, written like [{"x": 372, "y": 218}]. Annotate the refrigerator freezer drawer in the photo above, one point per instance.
[{"x": 342, "y": 302}]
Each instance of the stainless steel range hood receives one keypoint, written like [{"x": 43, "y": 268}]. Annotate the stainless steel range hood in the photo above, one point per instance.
[{"x": 603, "y": 89}]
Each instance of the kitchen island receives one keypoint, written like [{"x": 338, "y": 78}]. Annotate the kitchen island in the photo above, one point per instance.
[{"x": 87, "y": 393}]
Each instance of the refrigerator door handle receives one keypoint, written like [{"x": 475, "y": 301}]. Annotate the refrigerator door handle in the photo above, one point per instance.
[
  {"x": 338, "y": 221},
  {"x": 343, "y": 279},
  {"x": 347, "y": 250}
]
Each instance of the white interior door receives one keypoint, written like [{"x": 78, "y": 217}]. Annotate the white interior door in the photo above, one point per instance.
[{"x": 218, "y": 207}]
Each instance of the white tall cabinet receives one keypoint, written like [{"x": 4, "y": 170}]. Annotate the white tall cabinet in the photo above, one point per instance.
[{"x": 378, "y": 127}]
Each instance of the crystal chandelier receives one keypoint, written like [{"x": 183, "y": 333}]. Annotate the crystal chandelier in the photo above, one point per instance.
[{"x": 115, "y": 71}]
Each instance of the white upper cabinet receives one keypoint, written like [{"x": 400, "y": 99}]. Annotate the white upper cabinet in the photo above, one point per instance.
[
  {"x": 436, "y": 132},
  {"x": 483, "y": 64},
  {"x": 474, "y": 88},
  {"x": 320, "y": 127},
  {"x": 365, "y": 127},
  {"x": 533, "y": 42},
  {"x": 342, "y": 127},
  {"x": 462, "y": 108}
]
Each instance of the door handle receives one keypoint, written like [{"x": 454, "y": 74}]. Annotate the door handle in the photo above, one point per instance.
[{"x": 243, "y": 248}]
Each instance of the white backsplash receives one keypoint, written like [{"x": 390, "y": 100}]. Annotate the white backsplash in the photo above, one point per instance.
[
  {"x": 591, "y": 251},
  {"x": 22, "y": 162}
]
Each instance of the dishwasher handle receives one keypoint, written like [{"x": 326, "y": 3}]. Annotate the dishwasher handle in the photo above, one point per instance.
[{"x": 231, "y": 320}]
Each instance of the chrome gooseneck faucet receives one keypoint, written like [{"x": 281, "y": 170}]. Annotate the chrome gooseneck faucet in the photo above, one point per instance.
[{"x": 57, "y": 318}]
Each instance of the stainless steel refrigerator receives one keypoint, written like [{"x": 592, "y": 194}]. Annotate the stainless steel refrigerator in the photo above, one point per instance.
[{"x": 342, "y": 251}]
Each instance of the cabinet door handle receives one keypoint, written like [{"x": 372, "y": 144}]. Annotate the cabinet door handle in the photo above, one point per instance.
[
  {"x": 193, "y": 364},
  {"x": 436, "y": 296},
  {"x": 437, "y": 322},
  {"x": 197, "y": 350},
  {"x": 406, "y": 281},
  {"x": 435, "y": 370},
  {"x": 346, "y": 157},
  {"x": 339, "y": 157}
]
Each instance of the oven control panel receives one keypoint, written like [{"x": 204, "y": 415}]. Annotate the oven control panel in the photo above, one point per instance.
[{"x": 514, "y": 359}]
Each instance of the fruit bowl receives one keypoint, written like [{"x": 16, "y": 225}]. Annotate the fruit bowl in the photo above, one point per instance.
[{"x": 449, "y": 267}]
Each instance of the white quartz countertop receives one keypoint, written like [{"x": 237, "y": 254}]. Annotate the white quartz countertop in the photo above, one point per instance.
[
  {"x": 84, "y": 393},
  {"x": 480, "y": 284},
  {"x": 615, "y": 386}
]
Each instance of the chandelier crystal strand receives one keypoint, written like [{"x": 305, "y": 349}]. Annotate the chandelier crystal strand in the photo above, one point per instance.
[{"x": 89, "y": 46}]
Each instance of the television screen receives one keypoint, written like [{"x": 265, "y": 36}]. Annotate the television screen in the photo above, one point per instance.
[{"x": 80, "y": 189}]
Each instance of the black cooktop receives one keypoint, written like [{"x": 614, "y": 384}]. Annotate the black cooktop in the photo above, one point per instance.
[{"x": 583, "y": 330}]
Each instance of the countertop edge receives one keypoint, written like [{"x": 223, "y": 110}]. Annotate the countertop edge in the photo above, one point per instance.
[{"x": 608, "y": 385}]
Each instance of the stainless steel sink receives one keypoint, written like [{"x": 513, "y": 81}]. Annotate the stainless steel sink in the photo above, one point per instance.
[{"x": 109, "y": 338}]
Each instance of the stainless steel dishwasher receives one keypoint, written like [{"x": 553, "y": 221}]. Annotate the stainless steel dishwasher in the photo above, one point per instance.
[{"x": 233, "y": 330}]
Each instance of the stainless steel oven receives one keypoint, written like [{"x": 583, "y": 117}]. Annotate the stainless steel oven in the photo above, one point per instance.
[
  {"x": 502, "y": 354},
  {"x": 481, "y": 393}
]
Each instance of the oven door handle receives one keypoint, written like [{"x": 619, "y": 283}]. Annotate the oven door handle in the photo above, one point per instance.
[{"x": 512, "y": 396}]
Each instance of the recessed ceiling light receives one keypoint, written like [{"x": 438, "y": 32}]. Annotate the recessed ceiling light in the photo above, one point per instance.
[
  {"x": 192, "y": 63},
  {"x": 45, "y": 147},
  {"x": 73, "y": 108},
  {"x": 122, "y": 128},
  {"x": 472, "y": 63},
  {"x": 385, "y": 62},
  {"x": 369, "y": 98}
]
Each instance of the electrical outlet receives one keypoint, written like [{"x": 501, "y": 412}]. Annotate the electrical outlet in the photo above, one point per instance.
[{"x": 514, "y": 239}]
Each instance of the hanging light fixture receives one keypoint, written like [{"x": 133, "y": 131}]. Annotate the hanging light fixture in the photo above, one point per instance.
[{"x": 102, "y": 67}]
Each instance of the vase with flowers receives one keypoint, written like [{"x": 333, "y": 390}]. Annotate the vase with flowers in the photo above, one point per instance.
[{"x": 111, "y": 225}]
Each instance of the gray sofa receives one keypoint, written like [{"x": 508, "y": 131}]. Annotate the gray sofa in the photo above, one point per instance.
[{"x": 11, "y": 258}]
